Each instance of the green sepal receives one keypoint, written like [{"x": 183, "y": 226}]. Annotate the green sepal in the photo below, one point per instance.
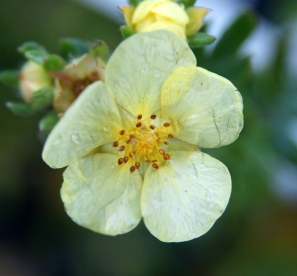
[
  {"x": 36, "y": 56},
  {"x": 99, "y": 49},
  {"x": 187, "y": 3},
  {"x": 200, "y": 40},
  {"x": 53, "y": 63},
  {"x": 42, "y": 98},
  {"x": 10, "y": 77},
  {"x": 30, "y": 46},
  {"x": 134, "y": 2},
  {"x": 73, "y": 47},
  {"x": 126, "y": 31},
  {"x": 20, "y": 109},
  {"x": 47, "y": 123},
  {"x": 236, "y": 34}
]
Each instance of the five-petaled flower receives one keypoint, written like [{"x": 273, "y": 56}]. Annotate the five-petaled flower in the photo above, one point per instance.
[
  {"x": 131, "y": 143},
  {"x": 152, "y": 15}
]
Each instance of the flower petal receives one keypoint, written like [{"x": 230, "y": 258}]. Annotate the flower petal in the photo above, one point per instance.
[
  {"x": 128, "y": 14},
  {"x": 143, "y": 9},
  {"x": 139, "y": 66},
  {"x": 92, "y": 120},
  {"x": 204, "y": 108},
  {"x": 172, "y": 11},
  {"x": 181, "y": 200},
  {"x": 166, "y": 25},
  {"x": 102, "y": 196},
  {"x": 196, "y": 16}
]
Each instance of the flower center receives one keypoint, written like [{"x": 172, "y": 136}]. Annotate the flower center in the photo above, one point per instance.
[{"x": 144, "y": 141}]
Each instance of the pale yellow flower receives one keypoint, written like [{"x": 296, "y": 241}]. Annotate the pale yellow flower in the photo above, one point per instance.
[
  {"x": 152, "y": 15},
  {"x": 75, "y": 77},
  {"x": 32, "y": 78},
  {"x": 130, "y": 143}
]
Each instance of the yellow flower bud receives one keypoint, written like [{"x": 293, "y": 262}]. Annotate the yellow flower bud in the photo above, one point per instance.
[
  {"x": 152, "y": 15},
  {"x": 32, "y": 78}
]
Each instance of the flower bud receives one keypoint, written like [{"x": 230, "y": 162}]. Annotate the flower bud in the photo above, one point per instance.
[
  {"x": 168, "y": 15},
  {"x": 32, "y": 78}
]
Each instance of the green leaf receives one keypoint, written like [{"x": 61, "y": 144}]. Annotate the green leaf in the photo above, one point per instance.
[
  {"x": 73, "y": 47},
  {"x": 29, "y": 46},
  {"x": 134, "y": 2},
  {"x": 126, "y": 31},
  {"x": 10, "y": 77},
  {"x": 42, "y": 98},
  {"x": 53, "y": 63},
  {"x": 235, "y": 35},
  {"x": 36, "y": 56},
  {"x": 200, "y": 40},
  {"x": 47, "y": 123},
  {"x": 20, "y": 109},
  {"x": 187, "y": 3},
  {"x": 100, "y": 49}
]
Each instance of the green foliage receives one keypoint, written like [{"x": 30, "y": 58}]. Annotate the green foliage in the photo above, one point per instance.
[
  {"x": 200, "y": 40},
  {"x": 73, "y": 47},
  {"x": 134, "y": 2},
  {"x": 42, "y": 98},
  {"x": 53, "y": 63},
  {"x": 10, "y": 77},
  {"x": 47, "y": 123},
  {"x": 31, "y": 46},
  {"x": 187, "y": 3},
  {"x": 20, "y": 109},
  {"x": 36, "y": 56},
  {"x": 237, "y": 33},
  {"x": 126, "y": 31},
  {"x": 100, "y": 49}
]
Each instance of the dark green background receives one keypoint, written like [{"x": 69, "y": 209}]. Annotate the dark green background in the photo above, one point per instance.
[{"x": 257, "y": 235}]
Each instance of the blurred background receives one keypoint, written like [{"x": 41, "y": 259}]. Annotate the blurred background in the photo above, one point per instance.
[{"x": 257, "y": 235}]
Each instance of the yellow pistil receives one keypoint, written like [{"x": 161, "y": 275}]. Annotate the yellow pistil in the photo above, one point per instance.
[{"x": 143, "y": 141}]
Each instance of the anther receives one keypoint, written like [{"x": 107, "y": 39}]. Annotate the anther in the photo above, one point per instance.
[
  {"x": 137, "y": 165},
  {"x": 130, "y": 137},
  {"x": 162, "y": 152},
  {"x": 170, "y": 135},
  {"x": 139, "y": 117},
  {"x": 130, "y": 154},
  {"x": 128, "y": 141},
  {"x": 155, "y": 166},
  {"x": 166, "y": 143},
  {"x": 115, "y": 144},
  {"x": 152, "y": 127},
  {"x": 147, "y": 161},
  {"x": 166, "y": 124},
  {"x": 166, "y": 156},
  {"x": 126, "y": 158},
  {"x": 121, "y": 148},
  {"x": 138, "y": 125},
  {"x": 132, "y": 169},
  {"x": 120, "y": 161},
  {"x": 122, "y": 132},
  {"x": 154, "y": 161},
  {"x": 153, "y": 117}
]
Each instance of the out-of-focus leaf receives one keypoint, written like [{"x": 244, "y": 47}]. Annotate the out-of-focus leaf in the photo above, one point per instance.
[
  {"x": 200, "y": 40},
  {"x": 126, "y": 31},
  {"x": 47, "y": 123},
  {"x": 10, "y": 77},
  {"x": 53, "y": 63},
  {"x": 20, "y": 109},
  {"x": 235, "y": 35},
  {"x": 187, "y": 3},
  {"x": 134, "y": 2},
  {"x": 42, "y": 98},
  {"x": 73, "y": 47},
  {"x": 100, "y": 49},
  {"x": 30, "y": 46},
  {"x": 36, "y": 56}
]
